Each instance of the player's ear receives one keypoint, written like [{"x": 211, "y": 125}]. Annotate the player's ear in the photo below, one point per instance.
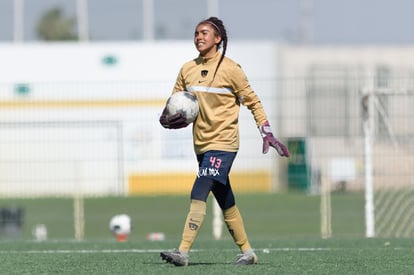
[{"x": 217, "y": 39}]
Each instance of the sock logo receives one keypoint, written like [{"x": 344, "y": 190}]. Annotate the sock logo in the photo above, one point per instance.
[{"x": 192, "y": 226}]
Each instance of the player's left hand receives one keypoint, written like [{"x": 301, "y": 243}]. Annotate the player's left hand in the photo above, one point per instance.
[
  {"x": 270, "y": 140},
  {"x": 176, "y": 121}
]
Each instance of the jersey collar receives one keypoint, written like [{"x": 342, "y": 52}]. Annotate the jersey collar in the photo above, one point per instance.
[{"x": 203, "y": 60}]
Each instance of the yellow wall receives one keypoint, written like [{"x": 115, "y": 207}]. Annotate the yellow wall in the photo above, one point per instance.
[{"x": 181, "y": 183}]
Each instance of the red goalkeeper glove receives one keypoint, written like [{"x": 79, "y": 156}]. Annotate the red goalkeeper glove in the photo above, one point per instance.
[
  {"x": 270, "y": 140},
  {"x": 176, "y": 121}
]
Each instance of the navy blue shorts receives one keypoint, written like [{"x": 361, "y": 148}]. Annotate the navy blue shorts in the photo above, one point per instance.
[
  {"x": 215, "y": 165},
  {"x": 213, "y": 176}
]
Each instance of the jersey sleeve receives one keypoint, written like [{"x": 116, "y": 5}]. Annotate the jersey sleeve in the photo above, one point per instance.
[
  {"x": 180, "y": 82},
  {"x": 246, "y": 96}
]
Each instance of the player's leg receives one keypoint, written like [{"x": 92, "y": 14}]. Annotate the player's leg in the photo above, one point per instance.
[
  {"x": 234, "y": 221},
  {"x": 193, "y": 223},
  {"x": 214, "y": 166},
  {"x": 195, "y": 217}
]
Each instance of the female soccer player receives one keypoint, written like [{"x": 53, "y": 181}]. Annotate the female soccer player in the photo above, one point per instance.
[{"x": 220, "y": 86}]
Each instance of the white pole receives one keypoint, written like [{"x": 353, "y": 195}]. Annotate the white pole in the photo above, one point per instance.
[
  {"x": 79, "y": 217},
  {"x": 148, "y": 20},
  {"x": 217, "y": 220},
  {"x": 18, "y": 25},
  {"x": 325, "y": 208},
  {"x": 82, "y": 20},
  {"x": 212, "y": 8},
  {"x": 369, "y": 190},
  {"x": 306, "y": 31},
  {"x": 78, "y": 206}
]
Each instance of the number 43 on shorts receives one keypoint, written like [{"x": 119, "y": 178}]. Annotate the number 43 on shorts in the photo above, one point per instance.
[{"x": 215, "y": 162}]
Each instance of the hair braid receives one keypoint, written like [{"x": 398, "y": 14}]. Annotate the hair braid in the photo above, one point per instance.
[{"x": 221, "y": 31}]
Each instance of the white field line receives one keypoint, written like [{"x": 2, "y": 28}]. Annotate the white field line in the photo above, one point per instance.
[{"x": 92, "y": 251}]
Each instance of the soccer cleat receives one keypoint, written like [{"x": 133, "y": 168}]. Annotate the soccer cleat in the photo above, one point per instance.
[
  {"x": 175, "y": 257},
  {"x": 247, "y": 258}
]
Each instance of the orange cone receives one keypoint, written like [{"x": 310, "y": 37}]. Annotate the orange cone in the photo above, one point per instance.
[{"x": 121, "y": 237}]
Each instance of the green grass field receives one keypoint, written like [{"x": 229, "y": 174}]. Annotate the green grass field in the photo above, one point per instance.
[
  {"x": 283, "y": 228},
  {"x": 293, "y": 256}
]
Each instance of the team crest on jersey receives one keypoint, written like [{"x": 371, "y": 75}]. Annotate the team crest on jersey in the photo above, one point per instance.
[{"x": 204, "y": 73}]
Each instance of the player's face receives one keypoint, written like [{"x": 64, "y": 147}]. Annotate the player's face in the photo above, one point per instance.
[{"x": 206, "y": 40}]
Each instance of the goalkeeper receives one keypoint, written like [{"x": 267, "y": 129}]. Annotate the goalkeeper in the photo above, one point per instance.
[{"x": 220, "y": 86}]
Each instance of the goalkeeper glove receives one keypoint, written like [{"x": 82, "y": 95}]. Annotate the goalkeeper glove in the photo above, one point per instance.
[
  {"x": 176, "y": 121},
  {"x": 270, "y": 140}
]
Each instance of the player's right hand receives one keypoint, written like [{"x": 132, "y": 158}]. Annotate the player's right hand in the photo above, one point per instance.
[{"x": 176, "y": 121}]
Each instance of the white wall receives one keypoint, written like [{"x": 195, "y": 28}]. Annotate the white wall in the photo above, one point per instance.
[{"x": 70, "y": 85}]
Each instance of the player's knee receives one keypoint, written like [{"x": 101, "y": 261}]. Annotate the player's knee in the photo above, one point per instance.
[
  {"x": 198, "y": 196},
  {"x": 227, "y": 204},
  {"x": 201, "y": 189}
]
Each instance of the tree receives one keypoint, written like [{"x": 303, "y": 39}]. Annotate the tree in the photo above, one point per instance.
[{"x": 54, "y": 27}]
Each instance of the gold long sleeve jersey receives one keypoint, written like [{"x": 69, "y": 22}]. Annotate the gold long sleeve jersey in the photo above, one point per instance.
[{"x": 216, "y": 127}]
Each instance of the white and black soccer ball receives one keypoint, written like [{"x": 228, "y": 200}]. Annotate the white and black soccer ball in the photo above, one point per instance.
[
  {"x": 120, "y": 224},
  {"x": 185, "y": 103}
]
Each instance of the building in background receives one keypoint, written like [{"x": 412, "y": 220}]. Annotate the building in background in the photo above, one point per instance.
[{"x": 62, "y": 100}]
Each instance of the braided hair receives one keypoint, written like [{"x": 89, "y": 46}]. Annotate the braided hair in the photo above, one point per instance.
[{"x": 219, "y": 30}]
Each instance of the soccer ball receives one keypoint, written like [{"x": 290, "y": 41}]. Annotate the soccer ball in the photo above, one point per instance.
[
  {"x": 183, "y": 102},
  {"x": 120, "y": 225}
]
